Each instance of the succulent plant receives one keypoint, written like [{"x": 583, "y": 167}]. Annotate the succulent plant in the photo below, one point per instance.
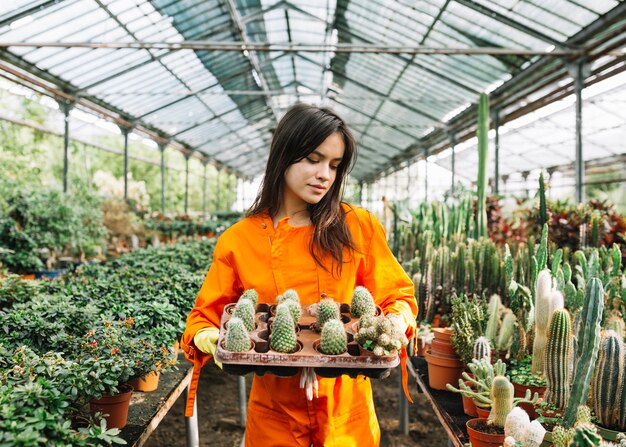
[
  {"x": 294, "y": 308},
  {"x": 252, "y": 295},
  {"x": 542, "y": 317},
  {"x": 237, "y": 337},
  {"x": 516, "y": 422},
  {"x": 502, "y": 400},
  {"x": 380, "y": 335},
  {"x": 334, "y": 340},
  {"x": 283, "y": 337},
  {"x": 482, "y": 348},
  {"x": 608, "y": 381},
  {"x": 558, "y": 354},
  {"x": 288, "y": 295},
  {"x": 245, "y": 310},
  {"x": 327, "y": 310},
  {"x": 362, "y": 302},
  {"x": 533, "y": 435}
]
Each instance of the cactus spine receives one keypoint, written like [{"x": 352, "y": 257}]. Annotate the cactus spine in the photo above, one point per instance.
[
  {"x": 482, "y": 349},
  {"x": 557, "y": 359},
  {"x": 588, "y": 342},
  {"x": 362, "y": 302},
  {"x": 502, "y": 398},
  {"x": 237, "y": 338},
  {"x": 245, "y": 311},
  {"x": 283, "y": 337},
  {"x": 542, "y": 316},
  {"x": 609, "y": 380}
]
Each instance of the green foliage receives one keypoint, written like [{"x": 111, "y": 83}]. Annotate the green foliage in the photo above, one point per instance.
[{"x": 521, "y": 373}]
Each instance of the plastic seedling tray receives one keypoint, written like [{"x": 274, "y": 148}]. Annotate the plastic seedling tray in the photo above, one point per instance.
[{"x": 262, "y": 359}]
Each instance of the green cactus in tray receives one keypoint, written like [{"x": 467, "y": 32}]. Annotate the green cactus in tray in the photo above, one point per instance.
[
  {"x": 288, "y": 295},
  {"x": 327, "y": 310},
  {"x": 252, "y": 295},
  {"x": 283, "y": 337},
  {"x": 362, "y": 302},
  {"x": 245, "y": 310},
  {"x": 237, "y": 338},
  {"x": 334, "y": 340}
]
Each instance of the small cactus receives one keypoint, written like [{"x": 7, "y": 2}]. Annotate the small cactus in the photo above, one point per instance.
[
  {"x": 362, "y": 302},
  {"x": 583, "y": 415},
  {"x": 283, "y": 337},
  {"x": 245, "y": 311},
  {"x": 237, "y": 338},
  {"x": 608, "y": 380},
  {"x": 334, "y": 340},
  {"x": 252, "y": 295},
  {"x": 557, "y": 359},
  {"x": 327, "y": 310},
  {"x": 288, "y": 295},
  {"x": 560, "y": 436},
  {"x": 586, "y": 436},
  {"x": 533, "y": 435},
  {"x": 502, "y": 398},
  {"x": 366, "y": 321},
  {"x": 482, "y": 349},
  {"x": 294, "y": 308}
]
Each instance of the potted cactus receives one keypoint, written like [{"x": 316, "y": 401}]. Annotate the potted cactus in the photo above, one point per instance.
[{"x": 489, "y": 432}]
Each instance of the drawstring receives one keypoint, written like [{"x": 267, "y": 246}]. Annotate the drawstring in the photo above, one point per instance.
[{"x": 405, "y": 374}]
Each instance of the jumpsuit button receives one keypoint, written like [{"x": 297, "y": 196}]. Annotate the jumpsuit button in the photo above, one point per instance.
[
  {"x": 264, "y": 225},
  {"x": 323, "y": 295}
]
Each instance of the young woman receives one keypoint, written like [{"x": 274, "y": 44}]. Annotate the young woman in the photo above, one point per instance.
[{"x": 299, "y": 235}]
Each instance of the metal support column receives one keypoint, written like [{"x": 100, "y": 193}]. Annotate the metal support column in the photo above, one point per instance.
[
  {"x": 218, "y": 204},
  {"x": 162, "y": 147},
  {"x": 453, "y": 147},
  {"x": 65, "y": 107},
  {"x": 579, "y": 70},
  {"x": 204, "y": 164},
  {"x": 426, "y": 175},
  {"x": 187, "y": 157},
  {"x": 404, "y": 406},
  {"x": 361, "y": 193},
  {"x": 495, "y": 116},
  {"x": 125, "y": 131}
]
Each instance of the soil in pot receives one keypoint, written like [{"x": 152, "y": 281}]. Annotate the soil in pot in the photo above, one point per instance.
[{"x": 482, "y": 434}]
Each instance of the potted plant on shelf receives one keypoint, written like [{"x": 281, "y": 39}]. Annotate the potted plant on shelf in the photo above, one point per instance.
[{"x": 524, "y": 380}]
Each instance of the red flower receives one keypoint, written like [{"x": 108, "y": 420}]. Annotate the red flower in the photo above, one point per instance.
[{"x": 94, "y": 343}]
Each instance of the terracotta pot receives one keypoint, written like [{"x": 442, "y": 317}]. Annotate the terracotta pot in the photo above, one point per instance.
[
  {"x": 443, "y": 370},
  {"x": 469, "y": 407},
  {"x": 149, "y": 382},
  {"x": 480, "y": 439},
  {"x": 520, "y": 391},
  {"x": 482, "y": 412},
  {"x": 421, "y": 348},
  {"x": 442, "y": 347},
  {"x": 609, "y": 435},
  {"x": 114, "y": 407},
  {"x": 29, "y": 276},
  {"x": 436, "y": 321},
  {"x": 443, "y": 334}
]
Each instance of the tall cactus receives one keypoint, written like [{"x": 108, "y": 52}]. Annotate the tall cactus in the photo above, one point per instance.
[
  {"x": 542, "y": 316},
  {"x": 588, "y": 343},
  {"x": 608, "y": 380},
  {"x": 494, "y": 318},
  {"x": 557, "y": 359}
]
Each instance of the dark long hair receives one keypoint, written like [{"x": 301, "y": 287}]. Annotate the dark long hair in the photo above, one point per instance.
[{"x": 302, "y": 129}]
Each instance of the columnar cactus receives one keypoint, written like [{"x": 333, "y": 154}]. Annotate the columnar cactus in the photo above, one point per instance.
[
  {"x": 482, "y": 349},
  {"x": 237, "y": 338},
  {"x": 608, "y": 380},
  {"x": 494, "y": 317},
  {"x": 245, "y": 311},
  {"x": 502, "y": 400},
  {"x": 334, "y": 340},
  {"x": 288, "y": 295},
  {"x": 283, "y": 337},
  {"x": 542, "y": 316},
  {"x": 616, "y": 323},
  {"x": 505, "y": 335},
  {"x": 327, "y": 310},
  {"x": 588, "y": 343},
  {"x": 252, "y": 295},
  {"x": 586, "y": 436},
  {"x": 557, "y": 359},
  {"x": 362, "y": 302}
]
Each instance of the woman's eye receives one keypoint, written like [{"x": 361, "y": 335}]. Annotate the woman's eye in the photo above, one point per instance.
[
  {"x": 310, "y": 160},
  {"x": 334, "y": 167}
]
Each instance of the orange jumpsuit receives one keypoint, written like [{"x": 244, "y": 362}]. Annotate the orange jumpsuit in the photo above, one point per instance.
[{"x": 252, "y": 254}]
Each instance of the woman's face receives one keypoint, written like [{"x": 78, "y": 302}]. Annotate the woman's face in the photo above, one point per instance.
[{"x": 310, "y": 179}]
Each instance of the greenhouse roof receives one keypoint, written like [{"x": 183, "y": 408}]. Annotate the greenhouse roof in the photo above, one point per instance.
[{"x": 214, "y": 76}]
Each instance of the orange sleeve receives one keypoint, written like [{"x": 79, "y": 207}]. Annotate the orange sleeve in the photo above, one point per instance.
[
  {"x": 221, "y": 287},
  {"x": 383, "y": 275}
]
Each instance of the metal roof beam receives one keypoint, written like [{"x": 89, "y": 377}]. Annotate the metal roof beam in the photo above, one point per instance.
[
  {"x": 236, "y": 17},
  {"x": 494, "y": 15},
  {"x": 26, "y": 11}
]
